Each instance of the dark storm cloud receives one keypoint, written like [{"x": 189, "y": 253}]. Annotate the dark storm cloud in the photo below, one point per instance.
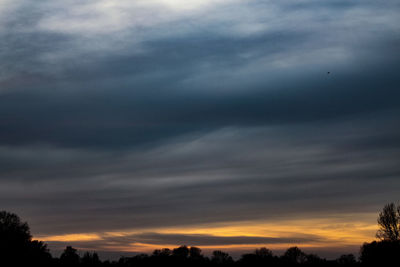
[
  {"x": 110, "y": 120},
  {"x": 126, "y": 99},
  {"x": 223, "y": 116}
]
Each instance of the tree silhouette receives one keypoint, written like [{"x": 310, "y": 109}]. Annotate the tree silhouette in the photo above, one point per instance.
[
  {"x": 383, "y": 253},
  {"x": 165, "y": 252},
  {"x": 195, "y": 252},
  {"x": 39, "y": 253},
  {"x": 69, "y": 257},
  {"x": 294, "y": 255},
  {"x": 16, "y": 243},
  {"x": 347, "y": 260},
  {"x": 260, "y": 257},
  {"x": 221, "y": 258},
  {"x": 389, "y": 223},
  {"x": 263, "y": 253},
  {"x": 13, "y": 233},
  {"x": 90, "y": 259},
  {"x": 182, "y": 252},
  {"x": 314, "y": 260}
]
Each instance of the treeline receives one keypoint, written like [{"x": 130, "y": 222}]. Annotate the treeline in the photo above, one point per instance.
[
  {"x": 384, "y": 253},
  {"x": 18, "y": 249},
  {"x": 192, "y": 256}
]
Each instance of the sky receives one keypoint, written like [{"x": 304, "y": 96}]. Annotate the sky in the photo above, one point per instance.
[{"x": 127, "y": 126}]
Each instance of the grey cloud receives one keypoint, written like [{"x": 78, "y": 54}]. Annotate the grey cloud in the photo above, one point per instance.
[
  {"x": 121, "y": 86},
  {"x": 229, "y": 175},
  {"x": 108, "y": 120},
  {"x": 208, "y": 240},
  {"x": 128, "y": 98}
]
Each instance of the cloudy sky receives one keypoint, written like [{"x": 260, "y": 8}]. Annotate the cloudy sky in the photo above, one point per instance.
[{"x": 132, "y": 125}]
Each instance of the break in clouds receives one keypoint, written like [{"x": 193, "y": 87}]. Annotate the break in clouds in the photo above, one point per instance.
[{"x": 133, "y": 114}]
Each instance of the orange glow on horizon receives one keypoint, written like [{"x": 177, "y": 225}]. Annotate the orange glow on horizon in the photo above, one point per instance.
[{"x": 336, "y": 231}]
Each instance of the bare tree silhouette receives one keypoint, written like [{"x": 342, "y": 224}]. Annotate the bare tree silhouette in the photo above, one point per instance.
[{"x": 389, "y": 223}]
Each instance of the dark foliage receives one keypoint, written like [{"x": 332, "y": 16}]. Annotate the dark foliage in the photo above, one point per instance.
[
  {"x": 90, "y": 260},
  {"x": 261, "y": 257},
  {"x": 181, "y": 253},
  {"x": 384, "y": 253},
  {"x": 16, "y": 245},
  {"x": 69, "y": 257},
  {"x": 221, "y": 258},
  {"x": 347, "y": 260}
]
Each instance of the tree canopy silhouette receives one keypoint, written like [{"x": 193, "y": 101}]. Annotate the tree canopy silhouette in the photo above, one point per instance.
[
  {"x": 181, "y": 252},
  {"x": 294, "y": 255},
  {"x": 383, "y": 253},
  {"x": 386, "y": 251},
  {"x": 70, "y": 257},
  {"x": 90, "y": 260},
  {"x": 16, "y": 243},
  {"x": 221, "y": 258}
]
